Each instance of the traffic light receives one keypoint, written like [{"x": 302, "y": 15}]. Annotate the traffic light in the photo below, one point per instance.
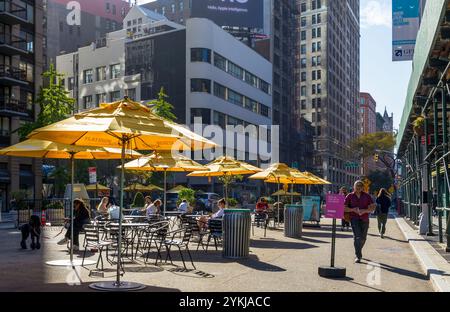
[{"x": 376, "y": 157}]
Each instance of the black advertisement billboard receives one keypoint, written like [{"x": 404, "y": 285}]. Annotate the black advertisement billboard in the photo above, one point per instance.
[{"x": 238, "y": 13}]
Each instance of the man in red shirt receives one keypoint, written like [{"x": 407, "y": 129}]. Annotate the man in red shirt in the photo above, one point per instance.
[{"x": 360, "y": 205}]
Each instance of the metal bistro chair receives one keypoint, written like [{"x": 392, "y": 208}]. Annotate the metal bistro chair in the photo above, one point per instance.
[
  {"x": 156, "y": 234},
  {"x": 214, "y": 231},
  {"x": 260, "y": 219},
  {"x": 92, "y": 240},
  {"x": 180, "y": 243}
]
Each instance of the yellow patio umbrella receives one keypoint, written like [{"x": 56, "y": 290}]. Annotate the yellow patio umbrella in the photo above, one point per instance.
[
  {"x": 97, "y": 187},
  {"x": 285, "y": 193},
  {"x": 124, "y": 124},
  {"x": 163, "y": 162},
  {"x": 177, "y": 189},
  {"x": 45, "y": 149},
  {"x": 137, "y": 187},
  {"x": 226, "y": 166},
  {"x": 316, "y": 179}
]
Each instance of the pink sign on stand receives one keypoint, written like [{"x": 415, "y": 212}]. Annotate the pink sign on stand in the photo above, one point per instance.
[{"x": 335, "y": 206}]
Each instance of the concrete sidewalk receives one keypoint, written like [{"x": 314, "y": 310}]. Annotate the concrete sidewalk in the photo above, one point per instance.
[
  {"x": 432, "y": 262},
  {"x": 276, "y": 264}
]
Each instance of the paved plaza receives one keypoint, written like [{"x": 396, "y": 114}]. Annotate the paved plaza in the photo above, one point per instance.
[{"x": 276, "y": 264}]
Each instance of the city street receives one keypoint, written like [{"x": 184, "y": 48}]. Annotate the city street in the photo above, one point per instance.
[{"x": 276, "y": 264}]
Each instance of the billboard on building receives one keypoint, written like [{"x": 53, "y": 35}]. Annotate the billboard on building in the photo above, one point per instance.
[
  {"x": 405, "y": 25},
  {"x": 238, "y": 13}
]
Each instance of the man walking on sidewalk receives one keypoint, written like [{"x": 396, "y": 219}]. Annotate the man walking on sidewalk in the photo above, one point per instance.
[{"x": 360, "y": 205}]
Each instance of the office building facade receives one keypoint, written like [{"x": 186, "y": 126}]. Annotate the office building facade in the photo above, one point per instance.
[
  {"x": 21, "y": 63},
  {"x": 367, "y": 124},
  {"x": 327, "y": 91}
]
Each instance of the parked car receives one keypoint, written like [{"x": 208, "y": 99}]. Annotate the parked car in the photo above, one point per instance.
[{"x": 209, "y": 201}]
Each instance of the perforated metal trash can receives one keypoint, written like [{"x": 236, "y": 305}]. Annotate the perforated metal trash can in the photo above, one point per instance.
[
  {"x": 236, "y": 233},
  {"x": 293, "y": 221}
]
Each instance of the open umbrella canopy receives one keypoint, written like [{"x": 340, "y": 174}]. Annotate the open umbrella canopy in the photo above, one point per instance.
[
  {"x": 316, "y": 179},
  {"x": 112, "y": 124},
  {"x": 177, "y": 189},
  {"x": 137, "y": 187},
  {"x": 226, "y": 166},
  {"x": 46, "y": 149},
  {"x": 285, "y": 193},
  {"x": 95, "y": 187},
  {"x": 164, "y": 161},
  {"x": 276, "y": 171}
]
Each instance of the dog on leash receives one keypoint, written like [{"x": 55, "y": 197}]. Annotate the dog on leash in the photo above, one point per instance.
[{"x": 33, "y": 229}]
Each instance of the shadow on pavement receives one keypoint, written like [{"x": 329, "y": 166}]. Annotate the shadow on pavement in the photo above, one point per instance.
[
  {"x": 399, "y": 271},
  {"x": 274, "y": 244}
]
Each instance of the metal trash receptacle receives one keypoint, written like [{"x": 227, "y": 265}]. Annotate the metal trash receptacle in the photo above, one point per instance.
[
  {"x": 293, "y": 221},
  {"x": 236, "y": 233}
]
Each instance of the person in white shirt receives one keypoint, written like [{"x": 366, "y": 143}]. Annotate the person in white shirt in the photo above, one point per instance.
[
  {"x": 154, "y": 209},
  {"x": 203, "y": 221},
  {"x": 183, "y": 207}
]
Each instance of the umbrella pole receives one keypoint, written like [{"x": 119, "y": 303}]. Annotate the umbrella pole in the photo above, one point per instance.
[
  {"x": 279, "y": 203},
  {"x": 292, "y": 195},
  {"x": 165, "y": 192},
  {"x": 119, "y": 244},
  {"x": 72, "y": 166}
]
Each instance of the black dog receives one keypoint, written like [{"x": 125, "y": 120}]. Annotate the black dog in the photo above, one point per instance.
[{"x": 33, "y": 227}]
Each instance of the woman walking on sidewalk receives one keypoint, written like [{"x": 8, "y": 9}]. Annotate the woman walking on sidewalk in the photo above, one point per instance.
[{"x": 383, "y": 205}]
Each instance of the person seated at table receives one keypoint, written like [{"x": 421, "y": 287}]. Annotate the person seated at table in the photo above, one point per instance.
[
  {"x": 203, "y": 221},
  {"x": 81, "y": 217},
  {"x": 102, "y": 208},
  {"x": 113, "y": 209},
  {"x": 154, "y": 208},
  {"x": 261, "y": 210},
  {"x": 183, "y": 207}
]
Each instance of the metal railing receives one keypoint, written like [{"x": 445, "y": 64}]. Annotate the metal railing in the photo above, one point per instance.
[
  {"x": 8, "y": 104},
  {"x": 15, "y": 41},
  {"x": 13, "y": 72},
  {"x": 10, "y": 6}
]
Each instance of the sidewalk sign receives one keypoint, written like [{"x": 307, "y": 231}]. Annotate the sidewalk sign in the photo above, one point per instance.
[
  {"x": 92, "y": 175},
  {"x": 334, "y": 210}
]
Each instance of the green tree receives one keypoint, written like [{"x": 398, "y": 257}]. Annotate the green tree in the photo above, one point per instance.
[
  {"x": 227, "y": 181},
  {"x": 138, "y": 201},
  {"x": 378, "y": 143},
  {"x": 61, "y": 177},
  {"x": 161, "y": 107},
  {"x": 55, "y": 103},
  {"x": 188, "y": 194},
  {"x": 379, "y": 179}
]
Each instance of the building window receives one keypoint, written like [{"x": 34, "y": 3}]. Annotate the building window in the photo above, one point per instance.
[
  {"x": 303, "y": 63},
  {"x": 219, "y": 119},
  {"x": 303, "y": 35},
  {"x": 114, "y": 71},
  {"x": 235, "y": 98},
  {"x": 314, "y": 49},
  {"x": 264, "y": 110},
  {"x": 201, "y": 85},
  {"x": 235, "y": 70},
  {"x": 303, "y": 104},
  {"x": 114, "y": 96},
  {"x": 200, "y": 55},
  {"x": 70, "y": 83},
  {"x": 264, "y": 86},
  {"x": 251, "y": 79},
  {"x": 251, "y": 105},
  {"x": 131, "y": 93},
  {"x": 87, "y": 102},
  {"x": 303, "y": 49},
  {"x": 101, "y": 73},
  {"x": 88, "y": 76},
  {"x": 303, "y": 21},
  {"x": 303, "y": 76},
  {"x": 220, "y": 91},
  {"x": 303, "y": 91},
  {"x": 220, "y": 62},
  {"x": 100, "y": 98},
  {"x": 319, "y": 88}
]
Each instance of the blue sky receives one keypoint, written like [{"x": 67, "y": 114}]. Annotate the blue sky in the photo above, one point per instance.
[{"x": 387, "y": 81}]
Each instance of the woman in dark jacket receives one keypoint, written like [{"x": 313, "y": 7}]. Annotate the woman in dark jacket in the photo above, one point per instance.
[
  {"x": 81, "y": 217},
  {"x": 383, "y": 206}
]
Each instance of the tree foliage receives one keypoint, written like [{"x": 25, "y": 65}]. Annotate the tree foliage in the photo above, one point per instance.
[
  {"x": 54, "y": 101},
  {"x": 161, "y": 107},
  {"x": 379, "y": 179},
  {"x": 188, "y": 194},
  {"x": 370, "y": 144}
]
